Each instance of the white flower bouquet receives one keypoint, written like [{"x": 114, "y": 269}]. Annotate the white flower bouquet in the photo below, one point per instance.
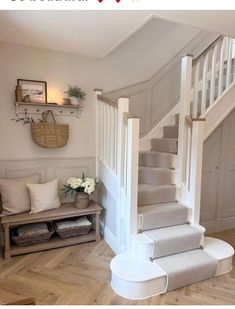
[{"x": 83, "y": 184}]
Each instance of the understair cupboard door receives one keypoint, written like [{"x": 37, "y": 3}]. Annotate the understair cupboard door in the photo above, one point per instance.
[
  {"x": 226, "y": 193},
  {"x": 210, "y": 176},
  {"x": 218, "y": 178}
]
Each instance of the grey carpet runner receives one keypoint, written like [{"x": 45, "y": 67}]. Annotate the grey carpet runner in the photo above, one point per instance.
[
  {"x": 186, "y": 268},
  {"x": 174, "y": 239}
]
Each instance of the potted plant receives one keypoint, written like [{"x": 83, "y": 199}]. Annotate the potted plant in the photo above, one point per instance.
[
  {"x": 76, "y": 95},
  {"x": 82, "y": 187}
]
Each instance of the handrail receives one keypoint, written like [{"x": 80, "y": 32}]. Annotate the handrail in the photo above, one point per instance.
[
  {"x": 195, "y": 60},
  {"x": 107, "y": 100}
]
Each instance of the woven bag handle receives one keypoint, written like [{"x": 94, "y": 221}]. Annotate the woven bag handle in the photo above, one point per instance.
[{"x": 47, "y": 114}]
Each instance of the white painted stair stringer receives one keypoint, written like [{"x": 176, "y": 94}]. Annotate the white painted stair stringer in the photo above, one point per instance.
[{"x": 136, "y": 279}]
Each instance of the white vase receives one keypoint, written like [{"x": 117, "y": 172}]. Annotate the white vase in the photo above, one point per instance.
[{"x": 74, "y": 101}]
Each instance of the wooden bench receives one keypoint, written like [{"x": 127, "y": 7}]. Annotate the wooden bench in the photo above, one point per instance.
[{"x": 66, "y": 211}]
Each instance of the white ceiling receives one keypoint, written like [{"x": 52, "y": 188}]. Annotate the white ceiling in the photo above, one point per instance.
[
  {"x": 97, "y": 33},
  {"x": 88, "y": 33},
  {"x": 215, "y": 21}
]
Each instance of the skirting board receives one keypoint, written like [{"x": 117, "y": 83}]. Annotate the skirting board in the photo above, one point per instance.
[
  {"x": 109, "y": 237},
  {"x": 219, "y": 225}
]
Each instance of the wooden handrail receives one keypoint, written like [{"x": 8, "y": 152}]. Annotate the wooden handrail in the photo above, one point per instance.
[
  {"x": 195, "y": 60},
  {"x": 189, "y": 121},
  {"x": 107, "y": 100}
]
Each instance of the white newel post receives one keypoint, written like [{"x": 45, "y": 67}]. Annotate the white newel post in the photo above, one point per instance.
[
  {"x": 123, "y": 110},
  {"x": 131, "y": 210},
  {"x": 196, "y": 168},
  {"x": 97, "y": 114},
  {"x": 185, "y": 98}
]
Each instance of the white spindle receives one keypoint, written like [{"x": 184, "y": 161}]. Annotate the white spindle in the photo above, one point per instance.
[
  {"x": 204, "y": 85},
  {"x": 213, "y": 74},
  {"x": 109, "y": 136},
  {"x": 229, "y": 62},
  {"x": 196, "y": 89},
  {"x": 221, "y": 67}
]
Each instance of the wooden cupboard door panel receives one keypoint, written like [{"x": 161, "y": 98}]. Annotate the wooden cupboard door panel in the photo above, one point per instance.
[
  {"x": 210, "y": 176},
  {"x": 226, "y": 192}
]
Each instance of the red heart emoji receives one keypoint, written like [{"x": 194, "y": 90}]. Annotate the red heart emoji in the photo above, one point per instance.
[
  {"x": 100, "y": 1},
  {"x": 118, "y": 1}
]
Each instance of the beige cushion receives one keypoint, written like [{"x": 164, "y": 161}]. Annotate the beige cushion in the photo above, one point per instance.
[
  {"x": 44, "y": 196},
  {"x": 15, "y": 195}
]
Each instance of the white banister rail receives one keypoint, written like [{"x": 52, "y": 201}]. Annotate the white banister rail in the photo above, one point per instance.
[
  {"x": 117, "y": 152},
  {"x": 203, "y": 82}
]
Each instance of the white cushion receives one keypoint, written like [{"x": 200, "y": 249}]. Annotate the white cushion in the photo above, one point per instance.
[
  {"x": 44, "y": 196},
  {"x": 14, "y": 194}
]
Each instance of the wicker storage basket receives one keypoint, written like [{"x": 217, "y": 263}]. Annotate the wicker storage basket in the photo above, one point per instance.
[
  {"x": 73, "y": 228},
  {"x": 50, "y": 135},
  {"x": 32, "y": 234}
]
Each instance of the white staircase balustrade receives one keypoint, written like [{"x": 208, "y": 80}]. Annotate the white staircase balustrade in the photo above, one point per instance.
[
  {"x": 203, "y": 82},
  {"x": 117, "y": 162}
]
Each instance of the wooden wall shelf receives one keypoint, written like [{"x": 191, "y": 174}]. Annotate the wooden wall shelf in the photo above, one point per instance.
[{"x": 38, "y": 108}]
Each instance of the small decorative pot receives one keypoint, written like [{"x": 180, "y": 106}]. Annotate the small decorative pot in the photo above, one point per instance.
[
  {"x": 81, "y": 200},
  {"x": 74, "y": 101}
]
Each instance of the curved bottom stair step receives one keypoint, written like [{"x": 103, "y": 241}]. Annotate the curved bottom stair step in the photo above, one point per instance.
[
  {"x": 161, "y": 215},
  {"x": 135, "y": 279},
  {"x": 150, "y": 194}
]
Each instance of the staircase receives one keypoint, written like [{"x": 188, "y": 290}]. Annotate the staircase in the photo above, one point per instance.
[{"x": 164, "y": 244}]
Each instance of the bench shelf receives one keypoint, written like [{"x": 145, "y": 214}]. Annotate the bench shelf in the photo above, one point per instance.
[{"x": 66, "y": 211}]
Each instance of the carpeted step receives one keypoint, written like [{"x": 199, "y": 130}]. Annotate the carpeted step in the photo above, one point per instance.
[
  {"x": 169, "y": 145},
  {"x": 170, "y": 131},
  {"x": 156, "y": 159},
  {"x": 188, "y": 267},
  {"x": 174, "y": 239},
  {"x": 154, "y": 175},
  {"x": 150, "y": 194},
  {"x": 161, "y": 215}
]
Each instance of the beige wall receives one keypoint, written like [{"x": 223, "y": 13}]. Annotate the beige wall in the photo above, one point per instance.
[{"x": 58, "y": 70}]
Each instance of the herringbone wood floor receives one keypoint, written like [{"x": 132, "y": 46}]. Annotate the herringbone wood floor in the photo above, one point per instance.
[{"x": 80, "y": 275}]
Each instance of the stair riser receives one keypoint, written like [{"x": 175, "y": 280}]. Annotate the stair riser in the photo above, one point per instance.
[
  {"x": 162, "y": 219},
  {"x": 156, "y": 177},
  {"x": 148, "y": 197},
  {"x": 157, "y": 160},
  {"x": 138, "y": 290},
  {"x": 170, "y": 131},
  {"x": 174, "y": 246},
  {"x": 164, "y": 145}
]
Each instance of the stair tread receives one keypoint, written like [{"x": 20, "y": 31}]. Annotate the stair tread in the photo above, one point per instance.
[
  {"x": 166, "y": 233},
  {"x": 156, "y": 152},
  {"x": 159, "y": 207},
  {"x": 181, "y": 261},
  {"x": 174, "y": 239},
  {"x": 155, "y": 168},
  {"x": 145, "y": 186},
  {"x": 166, "y": 139},
  {"x": 128, "y": 267}
]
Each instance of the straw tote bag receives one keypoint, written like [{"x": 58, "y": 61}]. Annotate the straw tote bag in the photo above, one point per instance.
[{"x": 50, "y": 134}]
